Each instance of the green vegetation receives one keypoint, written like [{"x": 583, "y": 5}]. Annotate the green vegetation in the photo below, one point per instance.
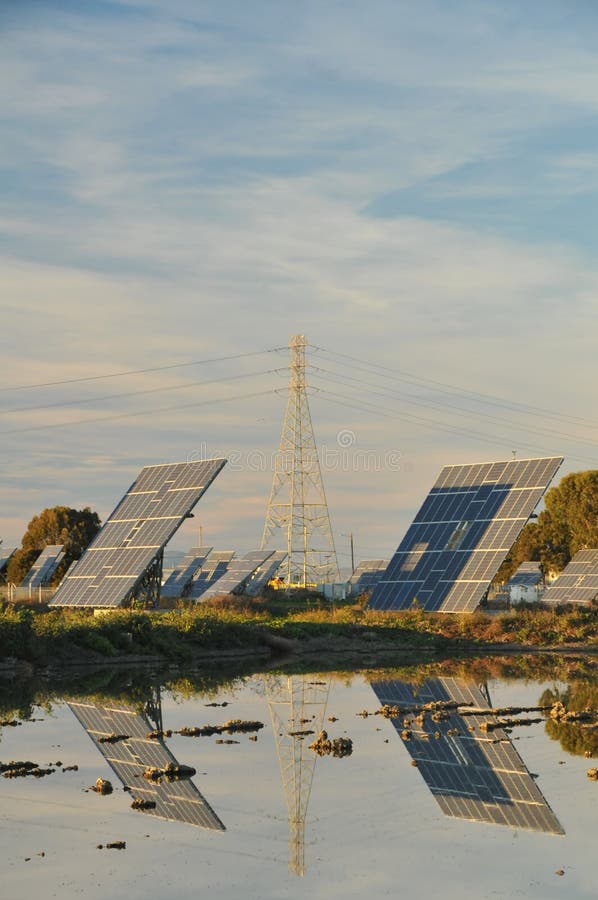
[
  {"x": 187, "y": 634},
  {"x": 73, "y": 528},
  {"x": 568, "y": 523}
]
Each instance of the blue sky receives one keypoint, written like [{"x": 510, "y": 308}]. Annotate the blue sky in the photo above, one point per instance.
[{"x": 411, "y": 185}]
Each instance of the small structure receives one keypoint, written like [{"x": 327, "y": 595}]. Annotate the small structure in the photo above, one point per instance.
[
  {"x": 526, "y": 585},
  {"x": 44, "y": 566}
]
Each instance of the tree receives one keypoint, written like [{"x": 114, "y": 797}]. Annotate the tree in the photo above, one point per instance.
[
  {"x": 568, "y": 523},
  {"x": 73, "y": 528}
]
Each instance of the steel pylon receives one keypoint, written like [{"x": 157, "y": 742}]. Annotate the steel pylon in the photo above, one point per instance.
[
  {"x": 297, "y": 703},
  {"x": 297, "y": 507}
]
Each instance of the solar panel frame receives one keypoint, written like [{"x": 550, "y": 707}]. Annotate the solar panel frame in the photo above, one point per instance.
[
  {"x": 175, "y": 800},
  {"x": 471, "y": 773},
  {"x": 135, "y": 534},
  {"x": 578, "y": 582},
  {"x": 462, "y": 533}
]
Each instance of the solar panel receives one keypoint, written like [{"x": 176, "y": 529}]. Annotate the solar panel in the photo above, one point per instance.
[
  {"x": 238, "y": 571},
  {"x": 216, "y": 565},
  {"x": 528, "y": 574},
  {"x": 472, "y": 774},
  {"x": 177, "y": 800},
  {"x": 44, "y": 566},
  {"x": 367, "y": 574},
  {"x": 265, "y": 573},
  {"x": 113, "y": 567},
  {"x": 178, "y": 582},
  {"x": 5, "y": 555},
  {"x": 461, "y": 535},
  {"x": 578, "y": 582}
]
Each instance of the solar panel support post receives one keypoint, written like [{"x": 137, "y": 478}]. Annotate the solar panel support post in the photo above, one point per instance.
[
  {"x": 297, "y": 506},
  {"x": 147, "y": 592}
]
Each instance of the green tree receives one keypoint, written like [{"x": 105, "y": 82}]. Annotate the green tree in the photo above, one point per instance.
[
  {"x": 568, "y": 523},
  {"x": 73, "y": 528}
]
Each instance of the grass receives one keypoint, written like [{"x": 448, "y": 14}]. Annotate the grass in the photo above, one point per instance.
[{"x": 39, "y": 635}]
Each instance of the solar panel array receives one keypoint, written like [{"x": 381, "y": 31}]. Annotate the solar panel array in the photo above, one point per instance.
[
  {"x": 216, "y": 565},
  {"x": 179, "y": 581},
  {"x": 136, "y": 532},
  {"x": 461, "y": 535},
  {"x": 528, "y": 574},
  {"x": 44, "y": 566},
  {"x": 237, "y": 572},
  {"x": 265, "y": 573},
  {"x": 472, "y": 774},
  {"x": 177, "y": 800},
  {"x": 578, "y": 582},
  {"x": 367, "y": 575}
]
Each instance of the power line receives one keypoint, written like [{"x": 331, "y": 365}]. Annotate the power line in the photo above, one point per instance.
[
  {"x": 175, "y": 387},
  {"x": 446, "y": 388},
  {"x": 130, "y": 415},
  {"x": 420, "y": 401},
  {"x": 343, "y": 400},
  {"x": 197, "y": 362}
]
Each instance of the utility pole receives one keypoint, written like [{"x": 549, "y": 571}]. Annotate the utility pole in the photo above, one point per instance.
[{"x": 297, "y": 505}]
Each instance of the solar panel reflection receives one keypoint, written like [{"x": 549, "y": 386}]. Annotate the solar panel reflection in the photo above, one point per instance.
[
  {"x": 472, "y": 773},
  {"x": 175, "y": 800},
  {"x": 462, "y": 533}
]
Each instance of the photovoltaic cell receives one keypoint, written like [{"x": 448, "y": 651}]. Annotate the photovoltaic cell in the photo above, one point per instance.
[
  {"x": 177, "y": 800},
  {"x": 578, "y": 582},
  {"x": 238, "y": 571},
  {"x": 158, "y": 501},
  {"x": 472, "y": 773},
  {"x": 179, "y": 581},
  {"x": 44, "y": 566},
  {"x": 461, "y": 535}
]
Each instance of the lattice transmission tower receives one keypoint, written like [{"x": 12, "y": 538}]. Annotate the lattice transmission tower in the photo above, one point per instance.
[
  {"x": 297, "y": 508},
  {"x": 297, "y": 704}
]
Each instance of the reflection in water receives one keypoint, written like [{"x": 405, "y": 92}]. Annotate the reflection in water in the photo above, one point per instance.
[
  {"x": 473, "y": 773},
  {"x": 176, "y": 799},
  {"x": 297, "y": 704}
]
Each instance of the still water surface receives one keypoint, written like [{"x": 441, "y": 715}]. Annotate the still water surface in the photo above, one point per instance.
[{"x": 444, "y": 805}]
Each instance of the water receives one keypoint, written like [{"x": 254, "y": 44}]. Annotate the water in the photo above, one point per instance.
[{"x": 278, "y": 821}]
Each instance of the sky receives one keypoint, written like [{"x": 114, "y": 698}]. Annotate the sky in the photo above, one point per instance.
[{"x": 185, "y": 185}]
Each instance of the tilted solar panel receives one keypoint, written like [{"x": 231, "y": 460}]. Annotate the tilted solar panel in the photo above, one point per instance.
[
  {"x": 133, "y": 537},
  {"x": 461, "y": 535},
  {"x": 578, "y": 582},
  {"x": 215, "y": 566},
  {"x": 175, "y": 799},
  {"x": 472, "y": 773},
  {"x": 179, "y": 581},
  {"x": 367, "y": 574},
  {"x": 5, "y": 555},
  {"x": 528, "y": 574},
  {"x": 238, "y": 571},
  {"x": 44, "y": 566},
  {"x": 265, "y": 573}
]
